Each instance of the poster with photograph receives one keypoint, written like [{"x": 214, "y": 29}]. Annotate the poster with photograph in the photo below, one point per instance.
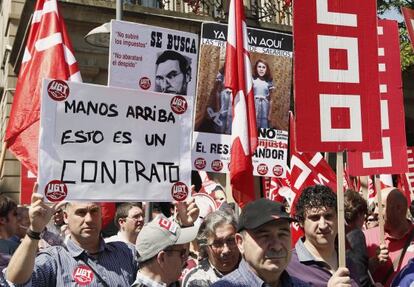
[
  {"x": 101, "y": 143},
  {"x": 271, "y": 58},
  {"x": 151, "y": 58}
]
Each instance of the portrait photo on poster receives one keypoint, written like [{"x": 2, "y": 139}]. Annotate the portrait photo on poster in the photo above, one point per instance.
[
  {"x": 172, "y": 73},
  {"x": 270, "y": 87}
]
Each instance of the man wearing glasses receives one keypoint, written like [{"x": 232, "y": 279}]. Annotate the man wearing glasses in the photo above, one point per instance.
[
  {"x": 173, "y": 73},
  {"x": 218, "y": 250},
  {"x": 162, "y": 247},
  {"x": 129, "y": 218}
]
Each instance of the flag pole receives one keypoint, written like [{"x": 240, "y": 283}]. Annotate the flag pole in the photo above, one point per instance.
[
  {"x": 340, "y": 207},
  {"x": 364, "y": 185},
  {"x": 380, "y": 209},
  {"x": 2, "y": 157}
]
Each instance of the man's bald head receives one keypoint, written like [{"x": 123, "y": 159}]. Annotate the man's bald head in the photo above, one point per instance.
[{"x": 395, "y": 204}]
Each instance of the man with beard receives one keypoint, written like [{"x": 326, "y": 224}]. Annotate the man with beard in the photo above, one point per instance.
[
  {"x": 129, "y": 218},
  {"x": 263, "y": 238},
  {"x": 315, "y": 259},
  {"x": 218, "y": 250}
]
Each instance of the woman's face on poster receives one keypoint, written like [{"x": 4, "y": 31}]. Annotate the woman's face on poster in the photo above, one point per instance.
[{"x": 261, "y": 69}]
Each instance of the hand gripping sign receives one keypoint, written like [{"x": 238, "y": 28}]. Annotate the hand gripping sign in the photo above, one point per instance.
[
  {"x": 109, "y": 144},
  {"x": 336, "y": 76}
]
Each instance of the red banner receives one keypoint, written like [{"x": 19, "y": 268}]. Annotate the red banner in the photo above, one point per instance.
[
  {"x": 409, "y": 23},
  {"x": 337, "y": 101},
  {"x": 48, "y": 54},
  {"x": 393, "y": 157},
  {"x": 308, "y": 168},
  {"x": 410, "y": 174},
  {"x": 27, "y": 181},
  {"x": 238, "y": 77}
]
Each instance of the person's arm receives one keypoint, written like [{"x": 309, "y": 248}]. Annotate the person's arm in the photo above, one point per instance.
[
  {"x": 187, "y": 211},
  {"x": 21, "y": 264}
]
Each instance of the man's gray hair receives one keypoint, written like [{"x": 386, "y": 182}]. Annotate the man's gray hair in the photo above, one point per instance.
[{"x": 209, "y": 226}]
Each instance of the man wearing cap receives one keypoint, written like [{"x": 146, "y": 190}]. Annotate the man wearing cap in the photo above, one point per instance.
[
  {"x": 162, "y": 247},
  {"x": 263, "y": 238},
  {"x": 315, "y": 259}
]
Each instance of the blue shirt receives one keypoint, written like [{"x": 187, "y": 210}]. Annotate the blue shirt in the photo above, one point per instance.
[
  {"x": 59, "y": 266},
  {"x": 405, "y": 278},
  {"x": 245, "y": 277}
]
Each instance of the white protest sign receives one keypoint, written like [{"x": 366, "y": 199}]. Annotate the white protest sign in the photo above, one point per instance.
[
  {"x": 152, "y": 58},
  {"x": 110, "y": 144}
]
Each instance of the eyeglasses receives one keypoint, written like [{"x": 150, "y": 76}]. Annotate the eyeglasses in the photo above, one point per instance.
[
  {"x": 136, "y": 217},
  {"x": 183, "y": 252},
  {"x": 219, "y": 244}
]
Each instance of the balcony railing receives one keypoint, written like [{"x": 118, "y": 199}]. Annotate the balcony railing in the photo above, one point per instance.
[{"x": 270, "y": 11}]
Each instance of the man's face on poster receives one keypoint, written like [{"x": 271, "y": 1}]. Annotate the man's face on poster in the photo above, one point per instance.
[{"x": 170, "y": 79}]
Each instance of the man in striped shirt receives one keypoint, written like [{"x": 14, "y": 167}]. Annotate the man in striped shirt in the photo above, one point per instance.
[{"x": 87, "y": 260}]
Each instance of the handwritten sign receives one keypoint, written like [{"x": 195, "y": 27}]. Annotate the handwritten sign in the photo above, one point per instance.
[
  {"x": 110, "y": 144},
  {"x": 150, "y": 58}
]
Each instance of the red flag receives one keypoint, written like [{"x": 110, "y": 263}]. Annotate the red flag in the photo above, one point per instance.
[
  {"x": 307, "y": 168},
  {"x": 238, "y": 77},
  {"x": 48, "y": 54},
  {"x": 409, "y": 22}
]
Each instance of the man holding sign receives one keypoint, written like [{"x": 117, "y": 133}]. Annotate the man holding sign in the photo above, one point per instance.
[
  {"x": 315, "y": 259},
  {"x": 87, "y": 260}
]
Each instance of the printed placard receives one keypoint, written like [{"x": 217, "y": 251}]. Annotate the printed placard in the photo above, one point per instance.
[
  {"x": 102, "y": 143},
  {"x": 150, "y": 58},
  {"x": 337, "y": 104},
  {"x": 392, "y": 159},
  {"x": 271, "y": 58}
]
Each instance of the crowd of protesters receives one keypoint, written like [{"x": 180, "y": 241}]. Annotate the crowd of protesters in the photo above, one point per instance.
[{"x": 63, "y": 244}]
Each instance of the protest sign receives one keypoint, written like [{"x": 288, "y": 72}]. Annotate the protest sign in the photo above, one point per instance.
[
  {"x": 151, "y": 58},
  {"x": 271, "y": 58},
  {"x": 337, "y": 104},
  {"x": 110, "y": 144},
  {"x": 392, "y": 159}
]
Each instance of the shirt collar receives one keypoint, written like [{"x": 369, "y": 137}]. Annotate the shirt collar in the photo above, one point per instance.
[
  {"x": 255, "y": 280},
  {"x": 75, "y": 250},
  {"x": 302, "y": 252},
  {"x": 248, "y": 273},
  {"x": 141, "y": 278}
]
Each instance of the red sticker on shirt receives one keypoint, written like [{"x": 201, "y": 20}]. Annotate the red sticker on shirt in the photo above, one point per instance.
[{"x": 83, "y": 275}]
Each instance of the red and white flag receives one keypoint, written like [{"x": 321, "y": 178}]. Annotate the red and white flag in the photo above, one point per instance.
[
  {"x": 307, "y": 168},
  {"x": 238, "y": 77},
  {"x": 409, "y": 22},
  {"x": 48, "y": 54}
]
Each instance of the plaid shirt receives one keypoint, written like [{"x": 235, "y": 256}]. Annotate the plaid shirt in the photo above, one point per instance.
[{"x": 244, "y": 277}]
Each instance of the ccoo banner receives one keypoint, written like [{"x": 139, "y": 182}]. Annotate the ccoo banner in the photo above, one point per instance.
[
  {"x": 337, "y": 101},
  {"x": 393, "y": 157},
  {"x": 110, "y": 144}
]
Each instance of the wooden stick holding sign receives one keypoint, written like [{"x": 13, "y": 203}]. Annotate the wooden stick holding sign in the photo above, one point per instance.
[
  {"x": 2, "y": 156},
  {"x": 340, "y": 207},
  {"x": 380, "y": 208}
]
